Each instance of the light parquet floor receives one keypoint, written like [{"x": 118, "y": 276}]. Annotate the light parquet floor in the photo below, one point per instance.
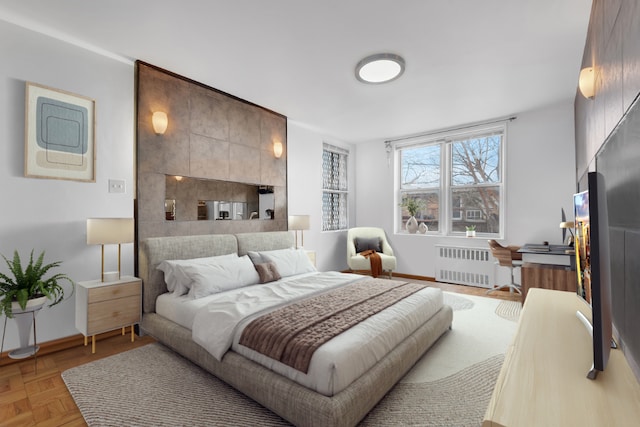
[{"x": 30, "y": 398}]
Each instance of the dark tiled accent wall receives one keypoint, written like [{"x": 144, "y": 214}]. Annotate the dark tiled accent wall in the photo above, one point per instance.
[
  {"x": 608, "y": 137},
  {"x": 210, "y": 135}
]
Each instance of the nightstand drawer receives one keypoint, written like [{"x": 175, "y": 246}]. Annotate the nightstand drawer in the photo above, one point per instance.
[
  {"x": 112, "y": 314},
  {"x": 105, "y": 293}
]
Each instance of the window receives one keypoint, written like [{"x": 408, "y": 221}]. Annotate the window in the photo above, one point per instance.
[
  {"x": 474, "y": 214},
  {"x": 334, "y": 188},
  {"x": 457, "y": 181}
]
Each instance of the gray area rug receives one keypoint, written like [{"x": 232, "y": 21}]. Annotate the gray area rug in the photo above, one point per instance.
[
  {"x": 509, "y": 310},
  {"x": 457, "y": 302},
  {"x": 153, "y": 386}
]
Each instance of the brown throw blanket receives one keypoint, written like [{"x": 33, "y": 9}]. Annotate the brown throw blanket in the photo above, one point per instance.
[
  {"x": 375, "y": 260},
  {"x": 292, "y": 333}
]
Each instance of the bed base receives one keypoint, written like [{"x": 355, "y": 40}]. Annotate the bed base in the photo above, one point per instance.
[{"x": 293, "y": 402}]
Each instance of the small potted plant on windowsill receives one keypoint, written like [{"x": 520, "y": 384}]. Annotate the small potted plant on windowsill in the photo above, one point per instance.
[
  {"x": 413, "y": 205},
  {"x": 471, "y": 230}
]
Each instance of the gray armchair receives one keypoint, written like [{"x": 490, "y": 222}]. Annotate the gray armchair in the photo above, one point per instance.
[{"x": 364, "y": 238}]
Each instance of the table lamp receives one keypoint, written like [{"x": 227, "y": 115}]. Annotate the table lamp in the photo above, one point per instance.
[
  {"x": 567, "y": 225},
  {"x": 110, "y": 231},
  {"x": 299, "y": 222}
]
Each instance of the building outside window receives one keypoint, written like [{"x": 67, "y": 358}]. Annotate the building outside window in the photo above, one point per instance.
[
  {"x": 457, "y": 179},
  {"x": 335, "y": 194}
]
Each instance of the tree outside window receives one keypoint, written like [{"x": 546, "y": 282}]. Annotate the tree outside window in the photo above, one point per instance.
[{"x": 458, "y": 179}]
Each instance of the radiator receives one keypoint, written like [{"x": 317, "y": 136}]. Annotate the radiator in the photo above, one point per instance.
[{"x": 465, "y": 266}]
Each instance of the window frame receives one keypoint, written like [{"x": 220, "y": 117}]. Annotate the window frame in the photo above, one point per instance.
[
  {"x": 446, "y": 139},
  {"x": 340, "y": 192}
]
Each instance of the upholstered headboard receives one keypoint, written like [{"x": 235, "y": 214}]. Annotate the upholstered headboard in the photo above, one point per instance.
[
  {"x": 264, "y": 241},
  {"x": 154, "y": 250}
]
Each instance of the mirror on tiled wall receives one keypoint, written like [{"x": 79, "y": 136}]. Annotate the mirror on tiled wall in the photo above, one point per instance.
[{"x": 190, "y": 199}]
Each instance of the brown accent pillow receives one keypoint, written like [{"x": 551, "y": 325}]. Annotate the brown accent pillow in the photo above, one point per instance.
[{"x": 268, "y": 272}]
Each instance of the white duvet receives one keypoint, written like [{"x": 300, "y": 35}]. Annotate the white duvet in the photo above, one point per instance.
[{"x": 219, "y": 320}]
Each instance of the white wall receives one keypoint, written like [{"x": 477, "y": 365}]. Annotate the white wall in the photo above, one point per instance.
[
  {"x": 540, "y": 181},
  {"x": 50, "y": 215},
  {"x": 304, "y": 193}
]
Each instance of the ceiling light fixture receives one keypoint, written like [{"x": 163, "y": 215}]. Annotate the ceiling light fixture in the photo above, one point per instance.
[{"x": 380, "y": 68}]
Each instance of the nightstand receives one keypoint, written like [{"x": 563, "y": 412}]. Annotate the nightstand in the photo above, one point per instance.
[{"x": 105, "y": 306}]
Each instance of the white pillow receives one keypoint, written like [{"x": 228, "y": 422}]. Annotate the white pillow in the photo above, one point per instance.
[
  {"x": 207, "y": 279},
  {"x": 177, "y": 281},
  {"x": 289, "y": 262}
]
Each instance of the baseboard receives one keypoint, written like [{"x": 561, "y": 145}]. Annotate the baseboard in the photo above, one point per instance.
[{"x": 53, "y": 346}]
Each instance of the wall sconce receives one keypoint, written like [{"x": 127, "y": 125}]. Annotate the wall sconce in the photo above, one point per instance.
[
  {"x": 277, "y": 149},
  {"x": 299, "y": 222},
  {"x": 587, "y": 82},
  {"x": 160, "y": 122},
  {"x": 104, "y": 231}
]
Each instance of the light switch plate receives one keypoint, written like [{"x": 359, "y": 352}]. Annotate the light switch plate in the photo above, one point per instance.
[{"x": 117, "y": 186}]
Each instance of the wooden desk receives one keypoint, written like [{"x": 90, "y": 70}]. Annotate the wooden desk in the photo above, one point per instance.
[
  {"x": 554, "y": 269},
  {"x": 547, "y": 276},
  {"x": 543, "y": 380}
]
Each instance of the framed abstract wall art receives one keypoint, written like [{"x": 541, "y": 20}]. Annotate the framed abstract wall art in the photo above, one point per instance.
[{"x": 59, "y": 134}]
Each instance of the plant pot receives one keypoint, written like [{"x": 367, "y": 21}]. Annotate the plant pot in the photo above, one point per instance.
[
  {"x": 471, "y": 233},
  {"x": 412, "y": 225},
  {"x": 24, "y": 320}
]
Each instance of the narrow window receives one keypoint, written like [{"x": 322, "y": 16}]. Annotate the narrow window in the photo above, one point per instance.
[{"x": 334, "y": 188}]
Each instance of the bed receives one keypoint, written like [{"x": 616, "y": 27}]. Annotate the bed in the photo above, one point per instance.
[{"x": 324, "y": 400}]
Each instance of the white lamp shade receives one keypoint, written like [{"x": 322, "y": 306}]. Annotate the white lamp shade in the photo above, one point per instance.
[
  {"x": 160, "y": 122},
  {"x": 299, "y": 222},
  {"x": 587, "y": 82},
  {"x": 104, "y": 231}
]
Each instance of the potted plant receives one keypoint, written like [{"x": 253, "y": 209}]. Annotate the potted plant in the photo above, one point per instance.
[
  {"x": 471, "y": 230},
  {"x": 413, "y": 205},
  {"x": 29, "y": 283}
]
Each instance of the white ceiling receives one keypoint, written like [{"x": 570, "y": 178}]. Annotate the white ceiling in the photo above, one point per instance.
[{"x": 466, "y": 60}]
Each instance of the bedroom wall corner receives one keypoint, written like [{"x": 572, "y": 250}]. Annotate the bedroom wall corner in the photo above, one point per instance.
[
  {"x": 304, "y": 171},
  {"x": 539, "y": 181},
  {"x": 50, "y": 214}
]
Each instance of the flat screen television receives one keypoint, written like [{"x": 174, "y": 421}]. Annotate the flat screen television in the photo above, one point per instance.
[{"x": 593, "y": 266}]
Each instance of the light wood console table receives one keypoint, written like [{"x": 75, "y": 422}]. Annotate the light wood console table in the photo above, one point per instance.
[{"x": 543, "y": 380}]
